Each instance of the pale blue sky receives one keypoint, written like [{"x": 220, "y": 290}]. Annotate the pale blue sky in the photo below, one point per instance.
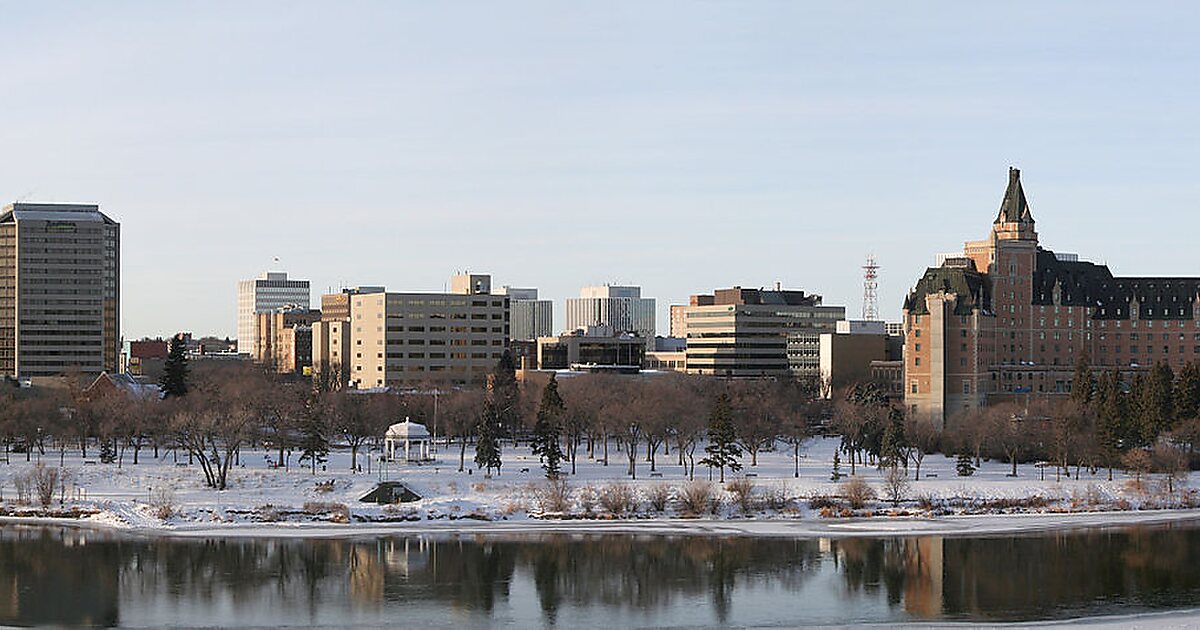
[{"x": 681, "y": 146}]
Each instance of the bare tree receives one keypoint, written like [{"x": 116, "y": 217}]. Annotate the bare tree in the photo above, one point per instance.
[{"x": 923, "y": 438}]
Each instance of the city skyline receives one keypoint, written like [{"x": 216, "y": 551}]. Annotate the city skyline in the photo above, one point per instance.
[{"x": 559, "y": 147}]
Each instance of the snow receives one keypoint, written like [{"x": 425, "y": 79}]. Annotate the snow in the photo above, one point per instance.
[{"x": 262, "y": 500}]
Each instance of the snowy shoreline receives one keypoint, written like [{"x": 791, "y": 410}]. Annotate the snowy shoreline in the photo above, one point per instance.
[
  {"x": 879, "y": 526},
  {"x": 272, "y": 502}
]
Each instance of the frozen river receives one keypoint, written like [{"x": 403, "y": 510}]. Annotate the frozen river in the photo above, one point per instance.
[{"x": 65, "y": 576}]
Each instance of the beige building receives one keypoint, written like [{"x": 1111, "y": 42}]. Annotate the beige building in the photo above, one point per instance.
[
  {"x": 754, "y": 332},
  {"x": 331, "y": 338},
  {"x": 405, "y": 338},
  {"x": 60, "y": 290},
  {"x": 283, "y": 339}
]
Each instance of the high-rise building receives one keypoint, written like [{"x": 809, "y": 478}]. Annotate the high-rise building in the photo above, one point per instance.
[
  {"x": 530, "y": 317},
  {"x": 283, "y": 339},
  {"x": 1006, "y": 320},
  {"x": 755, "y": 332},
  {"x": 398, "y": 339},
  {"x": 620, "y": 307},
  {"x": 331, "y": 338},
  {"x": 264, "y": 294},
  {"x": 60, "y": 289}
]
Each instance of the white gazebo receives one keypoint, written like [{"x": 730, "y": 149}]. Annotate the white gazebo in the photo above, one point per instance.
[{"x": 410, "y": 438}]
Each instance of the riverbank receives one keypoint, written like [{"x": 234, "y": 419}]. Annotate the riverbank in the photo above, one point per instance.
[{"x": 166, "y": 496}]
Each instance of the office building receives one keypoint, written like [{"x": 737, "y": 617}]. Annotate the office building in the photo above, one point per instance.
[
  {"x": 592, "y": 349},
  {"x": 60, "y": 290},
  {"x": 283, "y": 339},
  {"x": 740, "y": 332},
  {"x": 621, "y": 308},
  {"x": 530, "y": 317},
  {"x": 264, "y": 294},
  {"x": 398, "y": 339}
]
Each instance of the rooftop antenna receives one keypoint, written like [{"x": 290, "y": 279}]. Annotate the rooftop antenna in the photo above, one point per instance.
[{"x": 870, "y": 304}]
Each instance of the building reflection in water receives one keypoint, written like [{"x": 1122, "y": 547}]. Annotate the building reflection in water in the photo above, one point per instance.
[{"x": 52, "y": 576}]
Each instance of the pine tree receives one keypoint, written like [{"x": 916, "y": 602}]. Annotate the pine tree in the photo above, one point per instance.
[
  {"x": 1112, "y": 414},
  {"x": 722, "y": 450},
  {"x": 892, "y": 443},
  {"x": 1187, "y": 392},
  {"x": 837, "y": 467},
  {"x": 175, "y": 369},
  {"x": 314, "y": 440},
  {"x": 1083, "y": 385},
  {"x": 964, "y": 466},
  {"x": 108, "y": 451},
  {"x": 548, "y": 429},
  {"x": 505, "y": 394},
  {"x": 487, "y": 442},
  {"x": 1156, "y": 403}
]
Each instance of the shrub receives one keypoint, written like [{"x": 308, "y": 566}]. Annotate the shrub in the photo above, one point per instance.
[
  {"x": 162, "y": 501},
  {"x": 45, "y": 481},
  {"x": 926, "y": 502},
  {"x": 268, "y": 513},
  {"x": 617, "y": 498},
  {"x": 479, "y": 486},
  {"x": 742, "y": 490},
  {"x": 696, "y": 498},
  {"x": 821, "y": 501},
  {"x": 338, "y": 512},
  {"x": 857, "y": 492},
  {"x": 587, "y": 499},
  {"x": 553, "y": 495},
  {"x": 23, "y": 484},
  {"x": 776, "y": 498},
  {"x": 658, "y": 496},
  {"x": 324, "y": 487},
  {"x": 895, "y": 485}
]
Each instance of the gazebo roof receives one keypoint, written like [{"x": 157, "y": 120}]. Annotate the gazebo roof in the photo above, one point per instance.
[{"x": 407, "y": 429}]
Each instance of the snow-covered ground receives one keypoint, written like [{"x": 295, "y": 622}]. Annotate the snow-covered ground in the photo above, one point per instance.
[{"x": 265, "y": 500}]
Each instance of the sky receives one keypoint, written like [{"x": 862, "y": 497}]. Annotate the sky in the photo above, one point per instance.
[{"x": 680, "y": 146}]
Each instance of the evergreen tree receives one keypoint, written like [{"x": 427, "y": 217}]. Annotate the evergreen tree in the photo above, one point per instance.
[
  {"x": 1187, "y": 393},
  {"x": 175, "y": 369},
  {"x": 837, "y": 467},
  {"x": 722, "y": 450},
  {"x": 964, "y": 466},
  {"x": 1156, "y": 403},
  {"x": 893, "y": 443},
  {"x": 1083, "y": 385},
  {"x": 1111, "y": 419},
  {"x": 505, "y": 395},
  {"x": 487, "y": 442},
  {"x": 548, "y": 429},
  {"x": 108, "y": 451},
  {"x": 314, "y": 439}
]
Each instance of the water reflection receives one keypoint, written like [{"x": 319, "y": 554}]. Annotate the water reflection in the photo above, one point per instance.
[{"x": 51, "y": 576}]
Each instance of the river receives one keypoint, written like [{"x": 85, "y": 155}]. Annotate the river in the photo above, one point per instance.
[{"x": 68, "y": 576}]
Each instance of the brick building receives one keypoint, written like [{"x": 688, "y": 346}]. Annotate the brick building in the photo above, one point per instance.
[{"x": 1006, "y": 319}]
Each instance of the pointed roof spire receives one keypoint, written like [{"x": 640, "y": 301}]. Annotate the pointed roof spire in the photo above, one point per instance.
[{"x": 1014, "y": 208}]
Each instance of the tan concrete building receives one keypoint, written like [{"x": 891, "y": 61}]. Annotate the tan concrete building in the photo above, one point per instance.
[
  {"x": 60, "y": 290},
  {"x": 740, "y": 332},
  {"x": 331, "y": 338},
  {"x": 283, "y": 339},
  {"x": 406, "y": 338}
]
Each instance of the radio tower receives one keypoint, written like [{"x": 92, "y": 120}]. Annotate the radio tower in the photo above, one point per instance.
[{"x": 870, "y": 304}]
